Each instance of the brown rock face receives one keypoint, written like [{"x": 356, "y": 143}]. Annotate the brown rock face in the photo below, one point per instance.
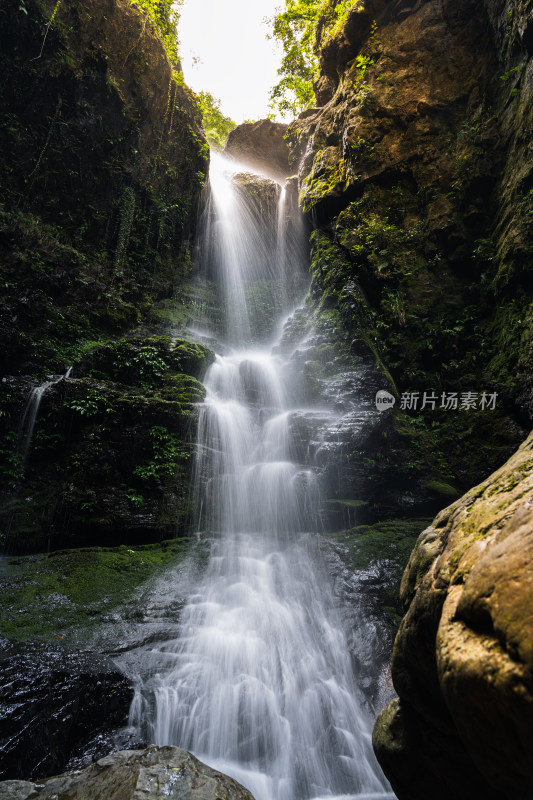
[
  {"x": 463, "y": 658},
  {"x": 426, "y": 127},
  {"x": 417, "y": 173},
  {"x": 260, "y": 146},
  {"x": 162, "y": 773}
]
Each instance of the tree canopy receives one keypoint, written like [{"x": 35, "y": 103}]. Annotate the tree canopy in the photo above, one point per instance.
[{"x": 301, "y": 28}]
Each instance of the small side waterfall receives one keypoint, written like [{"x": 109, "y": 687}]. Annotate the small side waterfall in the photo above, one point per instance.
[
  {"x": 259, "y": 683},
  {"x": 29, "y": 415}
]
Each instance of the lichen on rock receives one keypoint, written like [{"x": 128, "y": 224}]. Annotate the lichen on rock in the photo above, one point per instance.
[{"x": 462, "y": 662}]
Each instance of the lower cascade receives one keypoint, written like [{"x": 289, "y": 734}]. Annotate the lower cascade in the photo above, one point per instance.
[{"x": 259, "y": 682}]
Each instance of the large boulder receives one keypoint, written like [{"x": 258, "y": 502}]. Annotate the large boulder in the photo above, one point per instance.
[
  {"x": 463, "y": 657},
  {"x": 162, "y": 773},
  {"x": 53, "y": 699},
  {"x": 260, "y": 146}
]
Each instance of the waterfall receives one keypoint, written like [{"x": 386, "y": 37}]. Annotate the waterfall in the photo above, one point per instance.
[{"x": 259, "y": 682}]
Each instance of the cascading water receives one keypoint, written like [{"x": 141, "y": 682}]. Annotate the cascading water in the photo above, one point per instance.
[
  {"x": 259, "y": 682},
  {"x": 29, "y": 415}
]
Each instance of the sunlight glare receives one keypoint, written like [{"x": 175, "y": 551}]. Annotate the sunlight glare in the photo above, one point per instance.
[{"x": 225, "y": 51}]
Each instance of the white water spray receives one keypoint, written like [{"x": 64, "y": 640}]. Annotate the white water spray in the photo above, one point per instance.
[{"x": 259, "y": 682}]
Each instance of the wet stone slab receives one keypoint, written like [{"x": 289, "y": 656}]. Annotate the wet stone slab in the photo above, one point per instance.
[{"x": 161, "y": 773}]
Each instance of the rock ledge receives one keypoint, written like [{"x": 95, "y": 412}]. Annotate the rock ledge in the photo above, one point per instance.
[{"x": 162, "y": 773}]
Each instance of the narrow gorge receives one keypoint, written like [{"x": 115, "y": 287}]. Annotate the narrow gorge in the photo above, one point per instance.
[{"x": 265, "y": 510}]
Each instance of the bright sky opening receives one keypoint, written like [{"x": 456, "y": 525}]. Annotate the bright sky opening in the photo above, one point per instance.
[{"x": 225, "y": 51}]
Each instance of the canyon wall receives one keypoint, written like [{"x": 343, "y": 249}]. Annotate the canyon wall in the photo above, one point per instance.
[
  {"x": 102, "y": 161},
  {"x": 416, "y": 172},
  {"x": 415, "y": 169}
]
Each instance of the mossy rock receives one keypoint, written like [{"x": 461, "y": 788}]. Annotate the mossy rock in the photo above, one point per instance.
[
  {"x": 69, "y": 594},
  {"x": 145, "y": 362},
  {"x": 390, "y": 540}
]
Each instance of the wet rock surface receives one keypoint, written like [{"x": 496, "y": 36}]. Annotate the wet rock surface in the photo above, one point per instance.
[
  {"x": 110, "y": 454},
  {"x": 104, "y": 599},
  {"x": 54, "y": 699},
  {"x": 157, "y": 772},
  {"x": 463, "y": 662}
]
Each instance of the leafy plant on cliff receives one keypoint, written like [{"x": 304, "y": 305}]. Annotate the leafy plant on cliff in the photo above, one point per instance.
[
  {"x": 168, "y": 452},
  {"x": 301, "y": 28},
  {"x": 217, "y": 126},
  {"x": 163, "y": 14}
]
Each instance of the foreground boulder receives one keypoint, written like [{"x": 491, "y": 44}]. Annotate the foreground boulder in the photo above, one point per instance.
[
  {"x": 53, "y": 699},
  {"x": 463, "y": 657},
  {"x": 158, "y": 772}
]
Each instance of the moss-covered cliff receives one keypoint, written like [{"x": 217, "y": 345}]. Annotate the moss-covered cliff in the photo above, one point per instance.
[
  {"x": 417, "y": 174},
  {"x": 102, "y": 160}
]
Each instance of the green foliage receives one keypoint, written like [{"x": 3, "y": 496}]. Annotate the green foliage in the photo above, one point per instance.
[
  {"x": 146, "y": 361},
  {"x": 168, "y": 451},
  {"x": 295, "y": 28},
  {"x": 11, "y": 466},
  {"x": 370, "y": 235},
  {"x": 135, "y": 498},
  {"x": 93, "y": 404},
  {"x": 292, "y": 94},
  {"x": 506, "y": 76},
  {"x": 164, "y": 17},
  {"x": 362, "y": 63},
  {"x": 301, "y": 28},
  {"x": 216, "y": 125}
]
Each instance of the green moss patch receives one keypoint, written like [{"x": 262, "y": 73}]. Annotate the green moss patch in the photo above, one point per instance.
[
  {"x": 392, "y": 539},
  {"x": 67, "y": 594}
]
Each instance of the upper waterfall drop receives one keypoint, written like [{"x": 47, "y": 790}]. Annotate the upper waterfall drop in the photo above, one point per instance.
[
  {"x": 252, "y": 250},
  {"x": 259, "y": 682}
]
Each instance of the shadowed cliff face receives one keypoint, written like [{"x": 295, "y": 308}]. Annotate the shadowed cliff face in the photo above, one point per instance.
[
  {"x": 98, "y": 111},
  {"x": 102, "y": 160}
]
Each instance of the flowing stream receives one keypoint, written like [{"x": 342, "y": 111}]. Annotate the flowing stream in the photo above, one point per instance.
[{"x": 259, "y": 682}]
